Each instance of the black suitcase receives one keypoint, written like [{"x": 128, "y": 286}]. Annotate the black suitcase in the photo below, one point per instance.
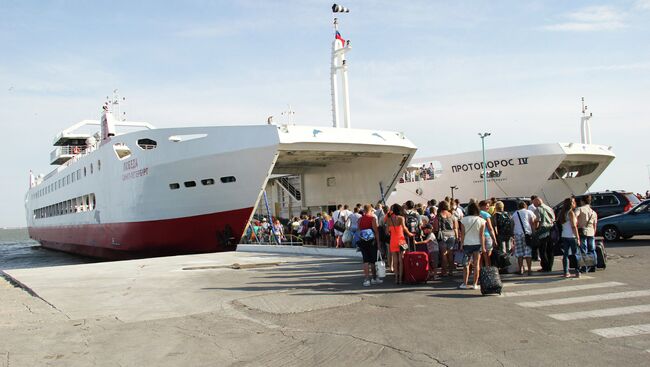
[
  {"x": 601, "y": 255},
  {"x": 490, "y": 280}
]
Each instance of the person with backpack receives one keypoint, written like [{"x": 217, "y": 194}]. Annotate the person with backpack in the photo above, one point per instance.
[
  {"x": 542, "y": 234},
  {"x": 368, "y": 244},
  {"x": 445, "y": 226},
  {"x": 413, "y": 222},
  {"x": 503, "y": 227}
]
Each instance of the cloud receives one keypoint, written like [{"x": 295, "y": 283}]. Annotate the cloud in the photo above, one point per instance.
[
  {"x": 642, "y": 5},
  {"x": 591, "y": 18}
]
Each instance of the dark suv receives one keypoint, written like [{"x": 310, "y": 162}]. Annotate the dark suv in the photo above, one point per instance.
[
  {"x": 511, "y": 204},
  {"x": 606, "y": 203}
]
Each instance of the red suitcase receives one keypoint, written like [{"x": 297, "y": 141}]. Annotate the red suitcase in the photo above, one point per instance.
[{"x": 416, "y": 267}]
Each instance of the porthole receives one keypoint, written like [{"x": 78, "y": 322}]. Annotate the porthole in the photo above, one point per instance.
[
  {"x": 91, "y": 168},
  {"x": 99, "y": 165},
  {"x": 189, "y": 183},
  {"x": 84, "y": 171},
  {"x": 228, "y": 179},
  {"x": 207, "y": 181},
  {"x": 174, "y": 186}
]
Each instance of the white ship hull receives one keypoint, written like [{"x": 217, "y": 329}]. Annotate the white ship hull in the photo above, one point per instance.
[
  {"x": 130, "y": 206},
  {"x": 551, "y": 171}
]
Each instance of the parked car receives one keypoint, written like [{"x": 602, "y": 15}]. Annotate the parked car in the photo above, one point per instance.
[
  {"x": 607, "y": 203},
  {"x": 510, "y": 204},
  {"x": 631, "y": 223}
]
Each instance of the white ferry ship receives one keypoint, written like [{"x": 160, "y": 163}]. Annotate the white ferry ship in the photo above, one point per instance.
[
  {"x": 186, "y": 190},
  {"x": 552, "y": 171}
]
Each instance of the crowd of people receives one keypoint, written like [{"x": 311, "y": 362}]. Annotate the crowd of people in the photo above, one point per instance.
[
  {"x": 419, "y": 174},
  {"x": 481, "y": 234}
]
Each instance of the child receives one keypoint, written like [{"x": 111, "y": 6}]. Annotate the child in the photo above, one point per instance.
[{"x": 432, "y": 247}]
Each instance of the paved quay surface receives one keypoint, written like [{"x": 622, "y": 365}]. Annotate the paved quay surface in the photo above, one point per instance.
[{"x": 292, "y": 310}]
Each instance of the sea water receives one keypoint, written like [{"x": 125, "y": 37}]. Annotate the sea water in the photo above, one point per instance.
[{"x": 17, "y": 251}]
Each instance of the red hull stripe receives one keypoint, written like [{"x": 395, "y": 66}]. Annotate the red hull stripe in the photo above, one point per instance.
[{"x": 202, "y": 233}]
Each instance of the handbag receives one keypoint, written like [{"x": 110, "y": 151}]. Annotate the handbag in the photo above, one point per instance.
[
  {"x": 347, "y": 236},
  {"x": 585, "y": 259},
  {"x": 380, "y": 266},
  {"x": 339, "y": 225},
  {"x": 367, "y": 234},
  {"x": 529, "y": 238}
]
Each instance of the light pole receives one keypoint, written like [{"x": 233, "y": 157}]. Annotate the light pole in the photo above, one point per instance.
[
  {"x": 483, "y": 136},
  {"x": 452, "y": 192}
]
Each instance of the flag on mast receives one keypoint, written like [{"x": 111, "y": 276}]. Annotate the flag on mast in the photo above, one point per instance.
[{"x": 338, "y": 37}]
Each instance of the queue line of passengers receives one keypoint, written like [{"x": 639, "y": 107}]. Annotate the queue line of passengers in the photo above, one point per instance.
[{"x": 472, "y": 238}]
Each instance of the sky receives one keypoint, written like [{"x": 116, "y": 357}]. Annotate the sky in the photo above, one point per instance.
[{"x": 440, "y": 71}]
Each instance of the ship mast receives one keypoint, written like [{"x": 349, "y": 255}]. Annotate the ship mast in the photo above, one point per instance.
[
  {"x": 110, "y": 108},
  {"x": 585, "y": 126},
  {"x": 339, "y": 69}
]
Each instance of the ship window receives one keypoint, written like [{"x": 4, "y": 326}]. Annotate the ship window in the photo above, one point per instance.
[
  {"x": 207, "y": 181},
  {"x": 78, "y": 174},
  {"x": 121, "y": 150},
  {"x": 84, "y": 171},
  {"x": 73, "y": 177},
  {"x": 174, "y": 186},
  {"x": 188, "y": 137},
  {"x": 189, "y": 183},
  {"x": 99, "y": 165},
  {"x": 91, "y": 168},
  {"x": 573, "y": 170},
  {"x": 228, "y": 179},
  {"x": 147, "y": 144}
]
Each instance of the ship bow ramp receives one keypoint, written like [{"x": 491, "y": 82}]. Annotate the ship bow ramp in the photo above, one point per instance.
[{"x": 320, "y": 167}]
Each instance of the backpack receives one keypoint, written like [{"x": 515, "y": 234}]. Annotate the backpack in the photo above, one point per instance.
[
  {"x": 504, "y": 224},
  {"x": 412, "y": 219}
]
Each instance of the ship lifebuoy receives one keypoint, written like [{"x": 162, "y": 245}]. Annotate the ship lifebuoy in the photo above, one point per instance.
[{"x": 75, "y": 150}]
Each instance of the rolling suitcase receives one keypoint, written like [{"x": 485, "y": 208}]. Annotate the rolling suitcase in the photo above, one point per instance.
[
  {"x": 490, "y": 280},
  {"x": 416, "y": 267},
  {"x": 601, "y": 255}
]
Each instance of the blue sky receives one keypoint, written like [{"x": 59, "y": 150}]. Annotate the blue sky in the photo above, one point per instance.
[{"x": 440, "y": 71}]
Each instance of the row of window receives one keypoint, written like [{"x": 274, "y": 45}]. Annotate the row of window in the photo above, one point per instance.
[
  {"x": 66, "y": 180},
  {"x": 204, "y": 182},
  {"x": 79, "y": 204}
]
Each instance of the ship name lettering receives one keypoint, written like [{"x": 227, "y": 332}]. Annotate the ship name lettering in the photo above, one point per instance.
[
  {"x": 130, "y": 164},
  {"x": 135, "y": 174},
  {"x": 478, "y": 166}
]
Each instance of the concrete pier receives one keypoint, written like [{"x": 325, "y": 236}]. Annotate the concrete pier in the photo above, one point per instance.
[{"x": 278, "y": 309}]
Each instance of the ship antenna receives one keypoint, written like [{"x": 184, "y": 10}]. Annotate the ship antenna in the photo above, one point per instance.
[
  {"x": 288, "y": 114},
  {"x": 585, "y": 125},
  {"x": 339, "y": 68}
]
